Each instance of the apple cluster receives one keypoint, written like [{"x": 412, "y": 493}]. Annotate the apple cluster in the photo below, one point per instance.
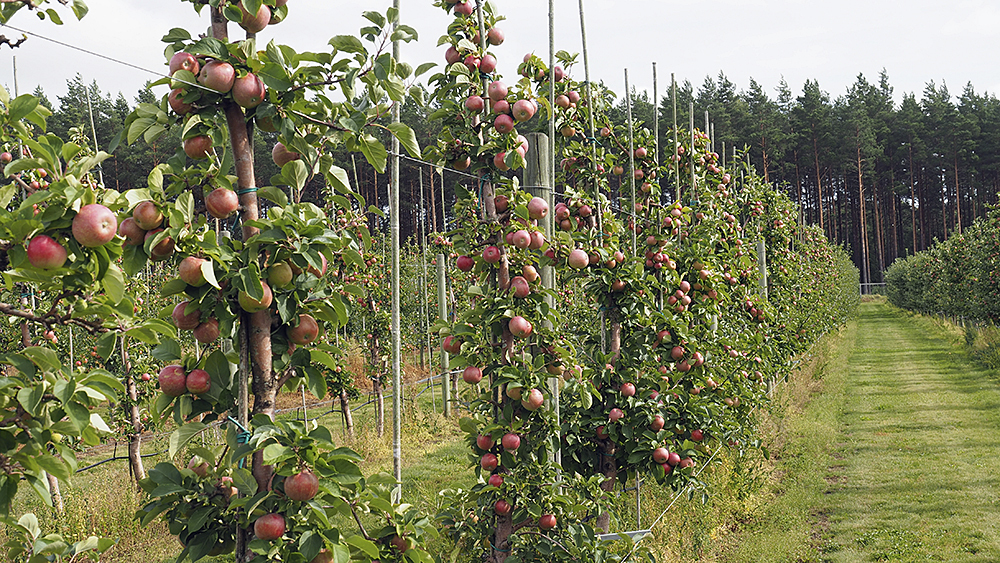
[
  {"x": 93, "y": 225},
  {"x": 175, "y": 381}
]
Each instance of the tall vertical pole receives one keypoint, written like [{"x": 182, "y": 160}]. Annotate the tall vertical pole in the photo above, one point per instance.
[
  {"x": 552, "y": 102},
  {"x": 631, "y": 161},
  {"x": 539, "y": 184},
  {"x": 656, "y": 120},
  {"x": 425, "y": 304},
  {"x": 93, "y": 130},
  {"x": 694, "y": 189},
  {"x": 443, "y": 314},
  {"x": 590, "y": 97},
  {"x": 397, "y": 384},
  {"x": 677, "y": 163}
]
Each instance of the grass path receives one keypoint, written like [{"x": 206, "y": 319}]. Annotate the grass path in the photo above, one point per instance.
[
  {"x": 916, "y": 473},
  {"x": 897, "y": 459}
]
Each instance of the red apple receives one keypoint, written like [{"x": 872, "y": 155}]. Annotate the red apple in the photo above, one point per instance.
[
  {"x": 283, "y": 156},
  {"x": 615, "y": 415},
  {"x": 94, "y": 225},
  {"x": 249, "y": 91},
  {"x": 452, "y": 344},
  {"x": 302, "y": 486},
  {"x": 218, "y": 76},
  {"x": 523, "y": 110},
  {"x": 222, "y": 202},
  {"x": 185, "y": 61},
  {"x": 305, "y": 332},
  {"x": 521, "y": 239},
  {"x": 255, "y": 23},
  {"x": 269, "y": 527},
  {"x": 173, "y": 381},
  {"x": 538, "y": 208},
  {"x": 697, "y": 435},
  {"x": 487, "y": 64},
  {"x": 198, "y": 382},
  {"x": 677, "y": 352},
  {"x": 491, "y": 254},
  {"x": 495, "y": 480},
  {"x": 484, "y": 442},
  {"x": 147, "y": 216},
  {"x": 184, "y": 321},
  {"x": 533, "y": 400},
  {"x": 198, "y": 147},
  {"x": 657, "y": 423},
  {"x": 510, "y": 442},
  {"x": 131, "y": 232},
  {"x": 489, "y": 462},
  {"x": 547, "y": 521},
  {"x": 520, "y": 286},
  {"x": 578, "y": 259},
  {"x": 452, "y": 56},
  {"x": 520, "y": 327},
  {"x": 464, "y": 8},
  {"x": 501, "y": 107},
  {"x": 161, "y": 250},
  {"x": 685, "y": 463},
  {"x": 465, "y": 263},
  {"x": 472, "y": 375},
  {"x": 45, "y": 253},
  {"x": 502, "y": 507},
  {"x": 251, "y": 305},
  {"x": 475, "y": 104},
  {"x": 503, "y": 124},
  {"x": 499, "y": 162},
  {"x": 401, "y": 544},
  {"x": 494, "y": 36},
  {"x": 660, "y": 455},
  {"x": 673, "y": 458},
  {"x": 190, "y": 271},
  {"x": 628, "y": 389},
  {"x": 175, "y": 102},
  {"x": 207, "y": 331}
]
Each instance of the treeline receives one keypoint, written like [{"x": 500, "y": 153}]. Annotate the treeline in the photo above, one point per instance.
[{"x": 883, "y": 178}]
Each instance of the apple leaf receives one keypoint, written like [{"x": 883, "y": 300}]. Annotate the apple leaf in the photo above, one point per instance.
[
  {"x": 80, "y": 9},
  {"x": 180, "y": 437},
  {"x": 167, "y": 351},
  {"x": 208, "y": 270},
  {"x": 347, "y": 44},
  {"x": 176, "y": 34},
  {"x": 375, "y": 153},
  {"x": 54, "y": 16},
  {"x": 114, "y": 284}
]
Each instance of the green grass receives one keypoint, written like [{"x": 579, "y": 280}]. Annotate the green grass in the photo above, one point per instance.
[{"x": 898, "y": 459}]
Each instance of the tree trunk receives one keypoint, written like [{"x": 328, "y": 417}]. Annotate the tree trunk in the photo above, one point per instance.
[
  {"x": 134, "y": 439},
  {"x": 819, "y": 188},
  {"x": 54, "y": 492},
  {"x": 345, "y": 409},
  {"x": 958, "y": 199}
]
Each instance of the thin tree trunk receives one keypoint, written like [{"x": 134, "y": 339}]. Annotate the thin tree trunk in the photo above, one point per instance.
[
  {"x": 819, "y": 187},
  {"x": 55, "y": 493},
  {"x": 135, "y": 439},
  {"x": 434, "y": 216},
  {"x": 345, "y": 409},
  {"x": 958, "y": 199}
]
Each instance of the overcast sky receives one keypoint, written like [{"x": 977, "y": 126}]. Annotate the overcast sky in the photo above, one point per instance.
[{"x": 832, "y": 41}]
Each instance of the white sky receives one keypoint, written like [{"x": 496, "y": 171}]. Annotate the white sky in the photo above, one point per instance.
[{"x": 830, "y": 40}]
